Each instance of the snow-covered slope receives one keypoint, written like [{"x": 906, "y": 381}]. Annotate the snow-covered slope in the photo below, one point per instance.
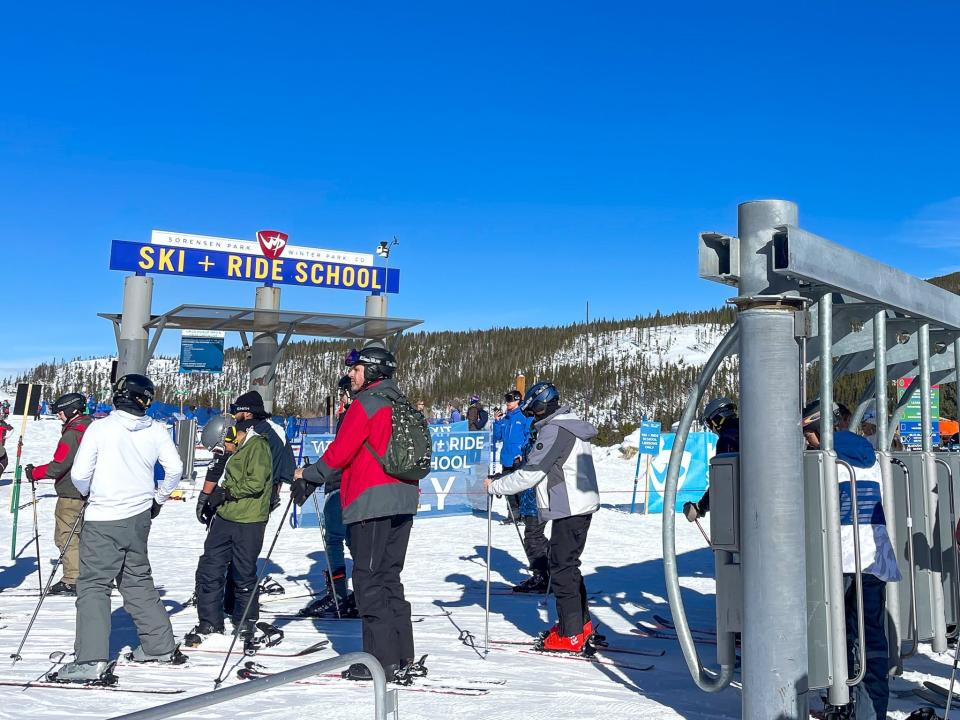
[{"x": 621, "y": 374}]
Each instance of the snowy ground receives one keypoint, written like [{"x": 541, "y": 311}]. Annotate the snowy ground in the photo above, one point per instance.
[{"x": 445, "y": 570}]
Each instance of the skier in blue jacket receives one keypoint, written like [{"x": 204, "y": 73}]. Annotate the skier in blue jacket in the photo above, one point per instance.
[{"x": 871, "y": 695}]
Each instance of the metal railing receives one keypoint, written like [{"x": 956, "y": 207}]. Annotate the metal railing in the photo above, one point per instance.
[{"x": 385, "y": 707}]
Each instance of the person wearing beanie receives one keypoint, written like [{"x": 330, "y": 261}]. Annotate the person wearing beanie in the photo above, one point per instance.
[
  {"x": 249, "y": 406},
  {"x": 241, "y": 506}
]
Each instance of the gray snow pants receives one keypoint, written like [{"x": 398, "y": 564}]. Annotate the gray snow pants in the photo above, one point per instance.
[{"x": 117, "y": 549}]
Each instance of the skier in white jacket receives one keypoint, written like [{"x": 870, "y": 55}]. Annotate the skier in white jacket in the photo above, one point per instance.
[
  {"x": 114, "y": 469},
  {"x": 559, "y": 464}
]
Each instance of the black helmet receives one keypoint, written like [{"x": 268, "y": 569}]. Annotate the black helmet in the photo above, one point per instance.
[
  {"x": 811, "y": 416},
  {"x": 539, "y": 398},
  {"x": 513, "y": 396},
  {"x": 718, "y": 410},
  {"x": 135, "y": 389},
  {"x": 71, "y": 405},
  {"x": 377, "y": 362}
]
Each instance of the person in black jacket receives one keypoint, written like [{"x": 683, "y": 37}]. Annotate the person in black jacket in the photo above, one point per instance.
[
  {"x": 720, "y": 416},
  {"x": 336, "y": 603}
]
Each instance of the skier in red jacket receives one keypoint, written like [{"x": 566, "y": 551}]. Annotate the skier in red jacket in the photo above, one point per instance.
[{"x": 378, "y": 510}]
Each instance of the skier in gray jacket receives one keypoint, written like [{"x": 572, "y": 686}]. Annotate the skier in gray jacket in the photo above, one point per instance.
[{"x": 560, "y": 466}]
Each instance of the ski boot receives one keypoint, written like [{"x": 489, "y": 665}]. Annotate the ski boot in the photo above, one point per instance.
[
  {"x": 85, "y": 673},
  {"x": 138, "y": 655},
  {"x": 62, "y": 588},
  {"x": 348, "y": 608},
  {"x": 200, "y": 632},
  {"x": 329, "y": 604},
  {"x": 573, "y": 644},
  {"x": 536, "y": 583},
  {"x": 360, "y": 673}
]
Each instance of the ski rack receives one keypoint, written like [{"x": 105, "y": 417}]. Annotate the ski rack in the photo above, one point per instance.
[
  {"x": 802, "y": 298},
  {"x": 385, "y": 700}
]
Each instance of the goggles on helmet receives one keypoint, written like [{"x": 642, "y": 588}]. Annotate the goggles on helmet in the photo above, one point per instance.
[{"x": 352, "y": 357}]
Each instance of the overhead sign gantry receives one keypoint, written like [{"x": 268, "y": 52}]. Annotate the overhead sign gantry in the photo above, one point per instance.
[{"x": 270, "y": 260}]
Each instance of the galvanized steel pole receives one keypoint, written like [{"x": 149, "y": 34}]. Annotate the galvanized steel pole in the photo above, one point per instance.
[
  {"x": 939, "y": 642},
  {"x": 264, "y": 348},
  {"x": 132, "y": 341},
  {"x": 894, "y": 633},
  {"x": 774, "y": 647},
  {"x": 838, "y": 692}
]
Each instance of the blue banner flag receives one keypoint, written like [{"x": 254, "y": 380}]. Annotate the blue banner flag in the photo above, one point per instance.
[
  {"x": 166, "y": 260},
  {"x": 460, "y": 462},
  {"x": 694, "y": 466}
]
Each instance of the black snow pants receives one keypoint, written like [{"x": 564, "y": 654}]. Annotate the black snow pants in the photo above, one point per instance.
[
  {"x": 379, "y": 548},
  {"x": 235, "y": 546},
  {"x": 535, "y": 544},
  {"x": 567, "y": 539}
]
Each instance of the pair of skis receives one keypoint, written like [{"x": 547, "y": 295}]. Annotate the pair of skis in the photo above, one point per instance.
[{"x": 442, "y": 686}]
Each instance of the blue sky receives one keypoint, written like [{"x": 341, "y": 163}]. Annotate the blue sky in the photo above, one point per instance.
[{"x": 529, "y": 156}]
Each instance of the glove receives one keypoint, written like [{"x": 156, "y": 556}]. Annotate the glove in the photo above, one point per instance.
[
  {"x": 155, "y": 510},
  {"x": 202, "y": 500},
  {"x": 302, "y": 490},
  {"x": 217, "y": 498},
  {"x": 691, "y": 511},
  {"x": 28, "y": 469}
]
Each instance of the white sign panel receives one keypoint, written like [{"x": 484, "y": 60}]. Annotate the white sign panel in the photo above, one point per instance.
[
  {"x": 250, "y": 247},
  {"x": 204, "y": 333}
]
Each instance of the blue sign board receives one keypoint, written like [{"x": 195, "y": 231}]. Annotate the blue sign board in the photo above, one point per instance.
[
  {"x": 167, "y": 260},
  {"x": 649, "y": 437},
  {"x": 911, "y": 433},
  {"x": 460, "y": 463},
  {"x": 201, "y": 354}
]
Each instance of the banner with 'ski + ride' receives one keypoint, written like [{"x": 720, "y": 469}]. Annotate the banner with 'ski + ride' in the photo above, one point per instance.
[{"x": 459, "y": 465}]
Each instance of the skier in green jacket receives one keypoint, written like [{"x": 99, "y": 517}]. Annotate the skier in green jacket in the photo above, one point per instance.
[{"x": 239, "y": 506}]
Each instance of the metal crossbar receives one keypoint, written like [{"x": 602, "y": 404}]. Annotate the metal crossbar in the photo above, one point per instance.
[{"x": 385, "y": 707}]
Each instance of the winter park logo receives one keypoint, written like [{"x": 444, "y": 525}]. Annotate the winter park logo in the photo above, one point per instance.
[{"x": 272, "y": 243}]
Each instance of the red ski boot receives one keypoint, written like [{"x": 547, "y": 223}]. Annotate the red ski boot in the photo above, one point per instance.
[{"x": 555, "y": 642}]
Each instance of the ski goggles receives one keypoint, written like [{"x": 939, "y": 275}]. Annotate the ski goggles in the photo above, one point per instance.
[
  {"x": 230, "y": 435},
  {"x": 352, "y": 357}
]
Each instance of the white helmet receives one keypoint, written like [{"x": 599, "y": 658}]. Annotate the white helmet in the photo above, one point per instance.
[{"x": 214, "y": 431}]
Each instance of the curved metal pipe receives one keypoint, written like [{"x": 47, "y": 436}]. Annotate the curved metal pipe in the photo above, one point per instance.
[
  {"x": 955, "y": 576},
  {"x": 913, "y": 577},
  {"x": 704, "y": 679},
  {"x": 857, "y": 576}
]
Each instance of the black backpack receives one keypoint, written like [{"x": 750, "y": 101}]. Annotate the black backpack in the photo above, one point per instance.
[
  {"x": 482, "y": 417},
  {"x": 410, "y": 447}
]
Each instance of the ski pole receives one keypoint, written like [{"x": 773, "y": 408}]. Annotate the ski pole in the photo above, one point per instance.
[
  {"x": 326, "y": 553},
  {"x": 515, "y": 524},
  {"x": 46, "y": 590},
  {"x": 486, "y": 620},
  {"x": 703, "y": 532},
  {"x": 36, "y": 530},
  {"x": 253, "y": 595},
  {"x": 953, "y": 677}
]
